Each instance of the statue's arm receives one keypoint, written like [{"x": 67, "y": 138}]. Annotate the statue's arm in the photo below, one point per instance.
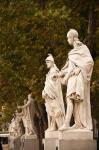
[
  {"x": 44, "y": 94},
  {"x": 27, "y": 104},
  {"x": 64, "y": 70},
  {"x": 66, "y": 65},
  {"x": 67, "y": 70},
  {"x": 54, "y": 75},
  {"x": 70, "y": 71},
  {"x": 24, "y": 106}
]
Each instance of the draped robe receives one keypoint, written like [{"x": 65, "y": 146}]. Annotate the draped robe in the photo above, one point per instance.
[
  {"x": 80, "y": 84},
  {"x": 54, "y": 100}
]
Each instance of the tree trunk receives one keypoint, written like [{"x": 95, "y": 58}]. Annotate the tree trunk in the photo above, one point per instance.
[
  {"x": 43, "y": 3},
  {"x": 90, "y": 39},
  {"x": 40, "y": 122}
]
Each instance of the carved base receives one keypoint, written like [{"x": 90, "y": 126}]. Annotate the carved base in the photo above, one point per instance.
[
  {"x": 14, "y": 143},
  {"x": 77, "y": 139},
  {"x": 76, "y": 134},
  {"x": 50, "y": 144},
  {"x": 50, "y": 140},
  {"x": 52, "y": 134},
  {"x": 77, "y": 145},
  {"x": 29, "y": 143}
]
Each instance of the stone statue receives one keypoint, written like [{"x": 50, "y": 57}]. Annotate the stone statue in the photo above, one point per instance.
[
  {"x": 15, "y": 127},
  {"x": 15, "y": 132},
  {"x": 27, "y": 115},
  {"x": 12, "y": 127},
  {"x": 76, "y": 74},
  {"x": 52, "y": 94}
]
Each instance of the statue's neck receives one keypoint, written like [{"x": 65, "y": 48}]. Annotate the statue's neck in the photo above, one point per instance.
[{"x": 76, "y": 44}]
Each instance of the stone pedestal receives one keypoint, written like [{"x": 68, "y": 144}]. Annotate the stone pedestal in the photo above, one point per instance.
[
  {"x": 77, "y": 145},
  {"x": 50, "y": 141},
  {"x": 14, "y": 143},
  {"x": 76, "y": 140},
  {"x": 76, "y": 134},
  {"x": 29, "y": 142}
]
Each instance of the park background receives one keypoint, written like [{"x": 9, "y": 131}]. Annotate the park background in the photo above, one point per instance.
[{"x": 29, "y": 30}]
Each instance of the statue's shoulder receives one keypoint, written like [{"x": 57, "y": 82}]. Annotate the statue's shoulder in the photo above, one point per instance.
[
  {"x": 83, "y": 46},
  {"x": 53, "y": 70},
  {"x": 71, "y": 51},
  {"x": 84, "y": 49}
]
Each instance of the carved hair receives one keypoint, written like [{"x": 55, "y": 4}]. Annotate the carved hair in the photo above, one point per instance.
[{"x": 74, "y": 33}]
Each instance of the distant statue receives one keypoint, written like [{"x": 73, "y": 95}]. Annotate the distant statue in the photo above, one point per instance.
[
  {"x": 15, "y": 126},
  {"x": 52, "y": 94},
  {"x": 27, "y": 115},
  {"x": 76, "y": 74},
  {"x": 11, "y": 128}
]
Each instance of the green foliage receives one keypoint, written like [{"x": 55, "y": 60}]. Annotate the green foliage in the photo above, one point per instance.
[{"x": 95, "y": 90}]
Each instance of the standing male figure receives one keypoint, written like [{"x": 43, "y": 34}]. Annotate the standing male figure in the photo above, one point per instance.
[
  {"x": 76, "y": 74},
  {"x": 28, "y": 111},
  {"x": 52, "y": 94}
]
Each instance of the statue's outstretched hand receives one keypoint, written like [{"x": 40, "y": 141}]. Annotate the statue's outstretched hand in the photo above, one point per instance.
[{"x": 64, "y": 80}]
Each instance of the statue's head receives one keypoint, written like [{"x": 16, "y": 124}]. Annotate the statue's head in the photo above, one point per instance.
[
  {"x": 30, "y": 96},
  {"x": 16, "y": 112},
  {"x": 49, "y": 61},
  {"x": 25, "y": 101},
  {"x": 72, "y": 35}
]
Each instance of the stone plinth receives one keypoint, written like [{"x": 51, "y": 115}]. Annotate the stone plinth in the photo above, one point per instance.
[
  {"x": 77, "y": 134},
  {"x": 14, "y": 143},
  {"x": 77, "y": 145},
  {"x": 53, "y": 134},
  {"x": 29, "y": 143},
  {"x": 76, "y": 140},
  {"x": 49, "y": 144},
  {"x": 50, "y": 140}
]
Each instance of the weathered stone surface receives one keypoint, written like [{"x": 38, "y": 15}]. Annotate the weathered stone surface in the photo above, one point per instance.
[
  {"x": 49, "y": 144},
  {"x": 77, "y": 134},
  {"x": 29, "y": 143},
  {"x": 54, "y": 134},
  {"x": 77, "y": 145},
  {"x": 14, "y": 143}
]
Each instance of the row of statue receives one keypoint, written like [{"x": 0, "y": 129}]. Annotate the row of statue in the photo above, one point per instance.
[
  {"x": 26, "y": 117},
  {"x": 76, "y": 75}
]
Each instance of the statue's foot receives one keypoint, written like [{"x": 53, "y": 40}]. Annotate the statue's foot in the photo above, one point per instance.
[
  {"x": 64, "y": 127},
  {"x": 47, "y": 129},
  {"x": 31, "y": 133},
  {"x": 51, "y": 129},
  {"x": 75, "y": 126}
]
